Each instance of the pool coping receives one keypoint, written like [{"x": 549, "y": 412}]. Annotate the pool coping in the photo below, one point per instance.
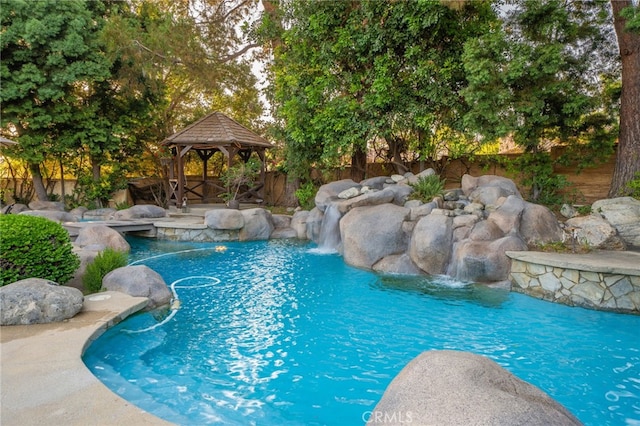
[{"x": 44, "y": 381}]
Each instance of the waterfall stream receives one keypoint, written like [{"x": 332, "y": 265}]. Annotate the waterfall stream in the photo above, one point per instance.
[{"x": 329, "y": 238}]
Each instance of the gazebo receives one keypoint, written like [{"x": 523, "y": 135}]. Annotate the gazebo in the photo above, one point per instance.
[{"x": 214, "y": 132}]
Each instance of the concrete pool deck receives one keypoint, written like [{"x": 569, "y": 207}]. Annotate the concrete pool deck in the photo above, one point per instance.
[{"x": 43, "y": 380}]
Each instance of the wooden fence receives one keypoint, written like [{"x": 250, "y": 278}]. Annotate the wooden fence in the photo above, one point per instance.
[{"x": 590, "y": 184}]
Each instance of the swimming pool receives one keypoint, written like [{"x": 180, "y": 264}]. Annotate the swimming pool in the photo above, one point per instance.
[{"x": 272, "y": 333}]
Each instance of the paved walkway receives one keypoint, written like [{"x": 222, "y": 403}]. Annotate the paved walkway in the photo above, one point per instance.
[{"x": 45, "y": 382}]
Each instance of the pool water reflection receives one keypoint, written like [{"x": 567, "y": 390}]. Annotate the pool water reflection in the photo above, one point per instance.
[{"x": 270, "y": 333}]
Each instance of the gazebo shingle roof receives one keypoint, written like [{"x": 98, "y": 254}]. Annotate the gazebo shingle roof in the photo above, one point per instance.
[{"x": 217, "y": 129}]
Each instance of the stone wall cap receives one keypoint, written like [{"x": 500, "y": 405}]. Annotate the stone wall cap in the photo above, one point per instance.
[{"x": 608, "y": 262}]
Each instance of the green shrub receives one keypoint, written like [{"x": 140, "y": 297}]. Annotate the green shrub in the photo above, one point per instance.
[
  {"x": 306, "y": 195},
  {"x": 633, "y": 186},
  {"x": 105, "y": 262},
  {"x": 35, "y": 247},
  {"x": 427, "y": 188}
]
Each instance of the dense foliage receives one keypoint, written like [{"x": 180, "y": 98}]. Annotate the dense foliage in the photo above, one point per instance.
[
  {"x": 35, "y": 247},
  {"x": 90, "y": 87},
  {"x": 105, "y": 262},
  {"x": 349, "y": 73}
]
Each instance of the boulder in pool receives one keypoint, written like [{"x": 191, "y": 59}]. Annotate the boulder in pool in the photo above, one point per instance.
[{"x": 461, "y": 388}]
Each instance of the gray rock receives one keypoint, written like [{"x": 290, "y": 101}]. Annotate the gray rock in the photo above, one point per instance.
[
  {"x": 594, "y": 231},
  {"x": 568, "y": 211},
  {"x": 38, "y": 301},
  {"x": 299, "y": 223},
  {"x": 375, "y": 182},
  {"x": 314, "y": 224},
  {"x": 79, "y": 212},
  {"x": 224, "y": 219},
  {"x": 14, "y": 208},
  {"x": 284, "y": 233},
  {"x": 281, "y": 220},
  {"x": 483, "y": 261},
  {"x": 141, "y": 211},
  {"x": 412, "y": 204},
  {"x": 397, "y": 264},
  {"x": 47, "y": 205},
  {"x": 422, "y": 210},
  {"x": 371, "y": 233},
  {"x": 507, "y": 216},
  {"x": 622, "y": 213},
  {"x": 329, "y": 192},
  {"x": 507, "y": 186},
  {"x": 258, "y": 225},
  {"x": 485, "y": 230},
  {"x": 426, "y": 172},
  {"x": 461, "y": 388},
  {"x": 53, "y": 215},
  {"x": 101, "y": 236},
  {"x": 139, "y": 281},
  {"x": 100, "y": 214},
  {"x": 401, "y": 193},
  {"x": 397, "y": 178},
  {"x": 349, "y": 193},
  {"x": 539, "y": 225},
  {"x": 369, "y": 199},
  {"x": 430, "y": 247}
]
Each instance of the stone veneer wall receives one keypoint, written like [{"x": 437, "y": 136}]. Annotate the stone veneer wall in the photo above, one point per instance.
[
  {"x": 191, "y": 232},
  {"x": 574, "y": 287}
]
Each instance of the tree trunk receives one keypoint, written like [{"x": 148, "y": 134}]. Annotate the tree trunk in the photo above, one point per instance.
[
  {"x": 628, "y": 155},
  {"x": 358, "y": 164},
  {"x": 38, "y": 184}
]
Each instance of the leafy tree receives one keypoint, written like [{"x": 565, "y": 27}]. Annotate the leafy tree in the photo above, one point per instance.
[
  {"x": 49, "y": 55},
  {"x": 627, "y": 27},
  {"x": 346, "y": 73},
  {"x": 535, "y": 77}
]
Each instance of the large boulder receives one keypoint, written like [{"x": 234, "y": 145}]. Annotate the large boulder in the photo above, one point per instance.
[
  {"x": 226, "y": 219},
  {"x": 141, "y": 211},
  {"x": 400, "y": 193},
  {"x": 397, "y": 264},
  {"x": 14, "y": 208},
  {"x": 106, "y": 213},
  {"x": 372, "y": 198},
  {"x": 314, "y": 224},
  {"x": 329, "y": 192},
  {"x": 47, "y": 205},
  {"x": 258, "y": 225},
  {"x": 484, "y": 261},
  {"x": 139, "y": 281},
  {"x": 539, "y": 225},
  {"x": 594, "y": 231},
  {"x": 430, "y": 247},
  {"x": 622, "y": 213},
  {"x": 507, "y": 216},
  {"x": 488, "y": 189},
  {"x": 375, "y": 182},
  {"x": 54, "y": 215},
  {"x": 371, "y": 233},
  {"x": 101, "y": 236},
  {"x": 299, "y": 223},
  {"x": 38, "y": 301},
  {"x": 461, "y": 388}
]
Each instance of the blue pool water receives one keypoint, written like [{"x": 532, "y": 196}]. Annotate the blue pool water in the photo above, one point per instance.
[{"x": 271, "y": 333}]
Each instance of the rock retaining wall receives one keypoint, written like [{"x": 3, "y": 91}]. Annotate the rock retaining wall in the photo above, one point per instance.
[{"x": 595, "y": 283}]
